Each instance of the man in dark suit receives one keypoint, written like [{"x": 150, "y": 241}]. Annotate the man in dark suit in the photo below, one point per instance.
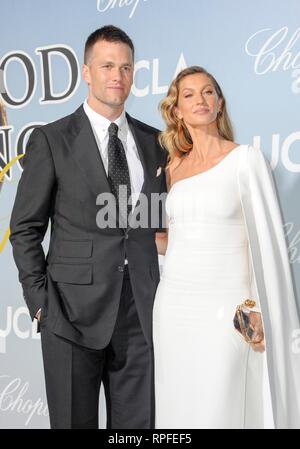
[{"x": 93, "y": 293}]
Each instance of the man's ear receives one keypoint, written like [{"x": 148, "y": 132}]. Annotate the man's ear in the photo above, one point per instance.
[{"x": 86, "y": 73}]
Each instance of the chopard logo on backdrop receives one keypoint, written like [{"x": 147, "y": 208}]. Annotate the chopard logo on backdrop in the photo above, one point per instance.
[
  {"x": 293, "y": 246},
  {"x": 276, "y": 50},
  {"x": 13, "y": 399},
  {"x": 105, "y": 5}
]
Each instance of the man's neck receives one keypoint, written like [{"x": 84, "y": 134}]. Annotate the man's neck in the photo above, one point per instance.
[{"x": 106, "y": 111}]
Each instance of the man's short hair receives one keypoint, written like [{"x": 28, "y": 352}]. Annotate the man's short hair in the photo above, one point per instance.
[{"x": 109, "y": 33}]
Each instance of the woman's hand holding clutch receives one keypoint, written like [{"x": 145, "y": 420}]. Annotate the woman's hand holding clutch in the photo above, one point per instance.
[
  {"x": 258, "y": 341},
  {"x": 248, "y": 323}
]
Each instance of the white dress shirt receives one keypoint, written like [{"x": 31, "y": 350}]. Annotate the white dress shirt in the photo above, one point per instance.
[{"x": 100, "y": 126}]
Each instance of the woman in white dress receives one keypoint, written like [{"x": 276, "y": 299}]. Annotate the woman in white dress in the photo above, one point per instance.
[{"x": 224, "y": 244}]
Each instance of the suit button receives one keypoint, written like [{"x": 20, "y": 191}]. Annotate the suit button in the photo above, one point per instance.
[
  {"x": 120, "y": 268},
  {"x": 126, "y": 236}
]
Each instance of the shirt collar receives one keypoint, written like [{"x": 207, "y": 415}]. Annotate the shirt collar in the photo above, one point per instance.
[{"x": 101, "y": 123}]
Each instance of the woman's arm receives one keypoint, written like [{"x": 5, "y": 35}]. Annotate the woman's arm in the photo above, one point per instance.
[
  {"x": 161, "y": 240},
  {"x": 273, "y": 280}
]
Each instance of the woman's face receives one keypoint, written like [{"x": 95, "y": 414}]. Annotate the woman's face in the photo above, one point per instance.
[{"x": 198, "y": 102}]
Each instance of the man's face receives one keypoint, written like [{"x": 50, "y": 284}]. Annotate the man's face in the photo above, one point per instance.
[{"x": 109, "y": 74}]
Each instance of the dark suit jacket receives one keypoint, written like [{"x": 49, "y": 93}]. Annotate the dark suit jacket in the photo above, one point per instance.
[{"x": 78, "y": 284}]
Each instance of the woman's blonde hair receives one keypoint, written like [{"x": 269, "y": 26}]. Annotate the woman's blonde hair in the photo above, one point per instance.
[{"x": 176, "y": 138}]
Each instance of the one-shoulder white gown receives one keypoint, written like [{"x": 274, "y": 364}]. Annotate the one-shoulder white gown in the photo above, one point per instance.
[{"x": 201, "y": 362}]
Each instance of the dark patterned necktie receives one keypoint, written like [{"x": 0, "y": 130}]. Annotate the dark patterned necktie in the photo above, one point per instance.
[{"x": 118, "y": 175}]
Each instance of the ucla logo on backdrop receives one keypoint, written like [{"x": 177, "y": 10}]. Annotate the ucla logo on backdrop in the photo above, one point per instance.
[
  {"x": 105, "y": 5},
  {"x": 276, "y": 50},
  {"x": 16, "y": 322},
  {"x": 151, "y": 77},
  {"x": 282, "y": 150}
]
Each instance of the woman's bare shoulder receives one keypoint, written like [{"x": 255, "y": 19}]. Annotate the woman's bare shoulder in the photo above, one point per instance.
[{"x": 170, "y": 170}]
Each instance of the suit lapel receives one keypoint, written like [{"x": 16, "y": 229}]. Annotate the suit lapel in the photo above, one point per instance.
[
  {"x": 145, "y": 144},
  {"x": 86, "y": 154}
]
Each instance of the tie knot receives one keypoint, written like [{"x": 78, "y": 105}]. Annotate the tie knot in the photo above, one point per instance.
[{"x": 113, "y": 129}]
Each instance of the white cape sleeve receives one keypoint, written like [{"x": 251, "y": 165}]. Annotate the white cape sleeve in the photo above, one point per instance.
[{"x": 274, "y": 285}]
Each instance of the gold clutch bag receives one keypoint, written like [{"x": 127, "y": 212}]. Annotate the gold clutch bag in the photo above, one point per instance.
[{"x": 241, "y": 320}]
